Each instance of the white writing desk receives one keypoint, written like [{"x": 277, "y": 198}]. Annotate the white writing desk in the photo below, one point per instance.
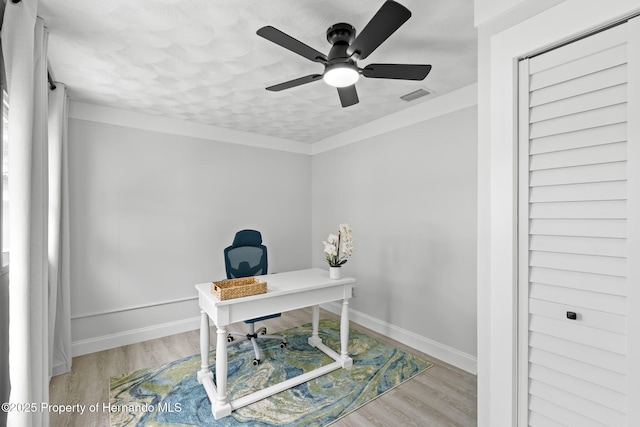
[{"x": 285, "y": 292}]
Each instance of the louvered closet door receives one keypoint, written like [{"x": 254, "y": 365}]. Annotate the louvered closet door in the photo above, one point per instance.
[{"x": 573, "y": 238}]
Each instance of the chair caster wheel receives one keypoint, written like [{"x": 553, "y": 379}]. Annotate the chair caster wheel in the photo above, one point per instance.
[
  {"x": 229, "y": 338},
  {"x": 256, "y": 362},
  {"x": 283, "y": 344},
  {"x": 264, "y": 332}
]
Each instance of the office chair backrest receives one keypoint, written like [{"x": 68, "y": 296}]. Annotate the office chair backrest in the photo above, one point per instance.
[{"x": 247, "y": 256}]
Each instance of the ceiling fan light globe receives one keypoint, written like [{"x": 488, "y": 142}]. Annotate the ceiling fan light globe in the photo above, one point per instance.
[{"x": 341, "y": 76}]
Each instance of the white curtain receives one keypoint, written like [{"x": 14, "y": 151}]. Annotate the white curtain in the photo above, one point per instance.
[
  {"x": 23, "y": 43},
  {"x": 39, "y": 321},
  {"x": 59, "y": 267}
]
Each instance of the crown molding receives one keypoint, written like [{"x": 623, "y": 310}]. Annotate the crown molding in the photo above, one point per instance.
[
  {"x": 444, "y": 104},
  {"x": 132, "y": 119},
  {"x": 458, "y": 99}
]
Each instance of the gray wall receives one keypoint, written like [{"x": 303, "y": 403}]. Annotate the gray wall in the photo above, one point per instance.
[
  {"x": 410, "y": 196},
  {"x": 152, "y": 212}
]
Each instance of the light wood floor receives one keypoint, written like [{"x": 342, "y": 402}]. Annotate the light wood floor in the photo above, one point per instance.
[{"x": 441, "y": 396}]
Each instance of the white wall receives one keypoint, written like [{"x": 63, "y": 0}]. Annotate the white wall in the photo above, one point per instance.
[
  {"x": 410, "y": 196},
  {"x": 152, "y": 210},
  {"x": 151, "y": 213}
]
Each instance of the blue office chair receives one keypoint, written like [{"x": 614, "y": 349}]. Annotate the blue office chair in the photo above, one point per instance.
[{"x": 247, "y": 256}]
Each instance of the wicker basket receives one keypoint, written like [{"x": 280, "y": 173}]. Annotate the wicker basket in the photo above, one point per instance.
[{"x": 238, "y": 288}]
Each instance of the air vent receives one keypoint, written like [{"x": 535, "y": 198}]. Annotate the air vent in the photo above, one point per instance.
[{"x": 415, "y": 95}]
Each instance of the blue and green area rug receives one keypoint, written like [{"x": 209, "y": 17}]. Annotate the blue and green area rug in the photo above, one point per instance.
[{"x": 169, "y": 395}]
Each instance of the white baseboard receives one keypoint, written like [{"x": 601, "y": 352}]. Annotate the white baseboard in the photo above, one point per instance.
[
  {"x": 440, "y": 351},
  {"x": 133, "y": 336},
  {"x": 433, "y": 348}
]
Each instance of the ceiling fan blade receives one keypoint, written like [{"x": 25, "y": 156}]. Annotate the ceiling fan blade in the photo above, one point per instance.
[
  {"x": 396, "y": 71},
  {"x": 295, "y": 82},
  {"x": 278, "y": 37},
  {"x": 385, "y": 22},
  {"x": 348, "y": 95}
]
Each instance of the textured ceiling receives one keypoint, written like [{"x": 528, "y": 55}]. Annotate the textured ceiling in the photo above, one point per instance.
[{"x": 201, "y": 60}]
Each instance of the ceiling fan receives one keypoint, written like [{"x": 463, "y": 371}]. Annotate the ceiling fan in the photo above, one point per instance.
[{"x": 340, "y": 66}]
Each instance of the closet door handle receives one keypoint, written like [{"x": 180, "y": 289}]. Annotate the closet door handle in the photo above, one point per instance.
[{"x": 572, "y": 315}]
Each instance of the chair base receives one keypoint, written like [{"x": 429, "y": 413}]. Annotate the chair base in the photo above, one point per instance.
[{"x": 253, "y": 336}]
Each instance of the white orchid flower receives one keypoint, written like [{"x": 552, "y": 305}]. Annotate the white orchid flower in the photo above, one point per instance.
[
  {"x": 339, "y": 247},
  {"x": 330, "y": 249}
]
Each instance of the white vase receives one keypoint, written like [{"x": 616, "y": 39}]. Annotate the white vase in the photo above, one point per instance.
[{"x": 335, "y": 272}]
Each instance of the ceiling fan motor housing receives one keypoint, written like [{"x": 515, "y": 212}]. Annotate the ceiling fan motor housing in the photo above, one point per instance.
[
  {"x": 340, "y": 35},
  {"x": 340, "y": 70}
]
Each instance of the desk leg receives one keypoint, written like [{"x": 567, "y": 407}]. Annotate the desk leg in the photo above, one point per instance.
[
  {"x": 344, "y": 334},
  {"x": 204, "y": 347},
  {"x": 314, "y": 340},
  {"x": 221, "y": 366}
]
